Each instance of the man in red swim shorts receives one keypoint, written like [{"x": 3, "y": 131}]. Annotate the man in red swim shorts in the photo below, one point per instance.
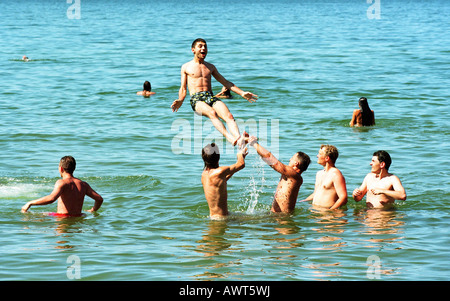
[{"x": 69, "y": 191}]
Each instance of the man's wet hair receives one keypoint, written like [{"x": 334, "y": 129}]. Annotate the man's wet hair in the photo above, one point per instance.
[
  {"x": 68, "y": 164},
  {"x": 211, "y": 155},
  {"x": 383, "y": 156},
  {"x": 331, "y": 151},
  {"x": 197, "y": 41},
  {"x": 304, "y": 161}
]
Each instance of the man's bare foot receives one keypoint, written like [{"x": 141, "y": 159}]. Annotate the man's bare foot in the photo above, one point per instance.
[
  {"x": 242, "y": 140},
  {"x": 236, "y": 141}
]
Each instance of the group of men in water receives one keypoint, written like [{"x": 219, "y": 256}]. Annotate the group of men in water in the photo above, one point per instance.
[
  {"x": 382, "y": 188},
  {"x": 330, "y": 192}
]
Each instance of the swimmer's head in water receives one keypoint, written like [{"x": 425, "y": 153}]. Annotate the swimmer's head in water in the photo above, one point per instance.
[
  {"x": 68, "y": 164},
  {"x": 147, "y": 86},
  {"x": 211, "y": 155}
]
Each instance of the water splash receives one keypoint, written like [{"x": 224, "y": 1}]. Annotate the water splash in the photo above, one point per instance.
[
  {"x": 255, "y": 186},
  {"x": 15, "y": 189}
]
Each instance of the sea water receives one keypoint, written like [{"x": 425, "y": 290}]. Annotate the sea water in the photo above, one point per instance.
[{"x": 308, "y": 61}]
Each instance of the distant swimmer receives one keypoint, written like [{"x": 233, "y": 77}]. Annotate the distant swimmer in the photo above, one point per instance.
[
  {"x": 147, "y": 90},
  {"x": 215, "y": 177},
  {"x": 291, "y": 179},
  {"x": 363, "y": 116},
  {"x": 330, "y": 190},
  {"x": 25, "y": 58},
  {"x": 69, "y": 191},
  {"x": 224, "y": 93},
  {"x": 382, "y": 187},
  {"x": 196, "y": 75}
]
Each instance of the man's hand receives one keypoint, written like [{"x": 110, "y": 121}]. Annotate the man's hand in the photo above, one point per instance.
[
  {"x": 377, "y": 191},
  {"x": 250, "y": 96},
  {"x": 176, "y": 105},
  {"x": 26, "y": 207},
  {"x": 252, "y": 140},
  {"x": 356, "y": 193},
  {"x": 244, "y": 152}
]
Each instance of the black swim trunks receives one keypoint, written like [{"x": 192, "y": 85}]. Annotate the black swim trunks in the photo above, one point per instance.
[{"x": 204, "y": 96}]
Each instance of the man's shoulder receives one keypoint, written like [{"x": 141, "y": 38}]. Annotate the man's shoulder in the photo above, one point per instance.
[
  {"x": 214, "y": 171},
  {"x": 60, "y": 182},
  {"x": 392, "y": 177},
  {"x": 74, "y": 180},
  {"x": 187, "y": 64},
  {"x": 370, "y": 176},
  {"x": 208, "y": 64},
  {"x": 291, "y": 172},
  {"x": 336, "y": 171}
]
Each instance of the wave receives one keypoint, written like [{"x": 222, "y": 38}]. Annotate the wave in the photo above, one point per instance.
[{"x": 28, "y": 187}]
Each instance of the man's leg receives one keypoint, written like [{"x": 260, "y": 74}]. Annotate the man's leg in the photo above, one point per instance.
[
  {"x": 205, "y": 110},
  {"x": 224, "y": 113}
]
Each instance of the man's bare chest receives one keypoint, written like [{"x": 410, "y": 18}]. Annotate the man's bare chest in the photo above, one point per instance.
[
  {"x": 326, "y": 180},
  {"x": 375, "y": 182},
  {"x": 198, "y": 71}
]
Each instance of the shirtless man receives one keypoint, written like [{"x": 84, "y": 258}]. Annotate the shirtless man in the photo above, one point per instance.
[
  {"x": 382, "y": 188},
  {"x": 215, "y": 177},
  {"x": 330, "y": 190},
  {"x": 196, "y": 75},
  {"x": 69, "y": 191},
  {"x": 287, "y": 190}
]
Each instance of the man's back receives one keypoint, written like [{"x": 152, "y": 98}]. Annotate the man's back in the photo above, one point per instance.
[
  {"x": 69, "y": 191},
  {"x": 73, "y": 191},
  {"x": 214, "y": 182}
]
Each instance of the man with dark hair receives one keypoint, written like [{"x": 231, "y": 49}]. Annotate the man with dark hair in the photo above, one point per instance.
[
  {"x": 291, "y": 180},
  {"x": 69, "y": 191},
  {"x": 382, "y": 187},
  {"x": 215, "y": 177},
  {"x": 330, "y": 190},
  {"x": 383, "y": 156},
  {"x": 196, "y": 76}
]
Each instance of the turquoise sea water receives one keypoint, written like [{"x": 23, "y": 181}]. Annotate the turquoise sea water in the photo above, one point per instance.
[{"x": 309, "y": 62}]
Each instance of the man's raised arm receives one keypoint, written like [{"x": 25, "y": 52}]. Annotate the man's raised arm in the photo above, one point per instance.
[
  {"x": 270, "y": 159},
  {"x": 230, "y": 86},
  {"x": 240, "y": 164}
]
